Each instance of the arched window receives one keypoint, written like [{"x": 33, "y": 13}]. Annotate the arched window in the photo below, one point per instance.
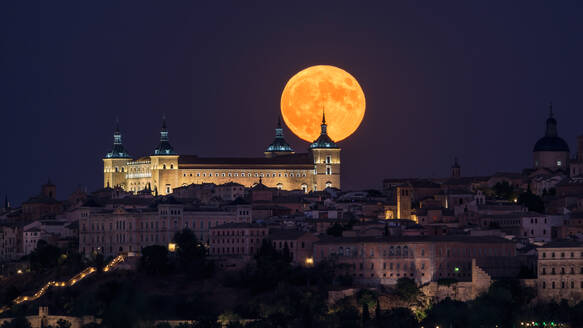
[
  {"x": 304, "y": 187},
  {"x": 405, "y": 251},
  {"x": 171, "y": 166},
  {"x": 391, "y": 251},
  {"x": 398, "y": 251},
  {"x": 279, "y": 186},
  {"x": 164, "y": 167},
  {"x": 328, "y": 184}
]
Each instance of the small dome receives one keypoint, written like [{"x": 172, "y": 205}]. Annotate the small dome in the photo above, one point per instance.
[
  {"x": 551, "y": 144},
  {"x": 279, "y": 145}
]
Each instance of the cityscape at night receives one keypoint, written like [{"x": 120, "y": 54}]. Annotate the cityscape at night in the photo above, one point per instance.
[{"x": 307, "y": 164}]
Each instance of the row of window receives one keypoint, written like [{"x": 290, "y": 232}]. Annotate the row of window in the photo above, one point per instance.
[
  {"x": 563, "y": 271},
  {"x": 267, "y": 175},
  {"x": 151, "y": 225},
  {"x": 252, "y": 232},
  {"x": 563, "y": 285},
  {"x": 572, "y": 254}
]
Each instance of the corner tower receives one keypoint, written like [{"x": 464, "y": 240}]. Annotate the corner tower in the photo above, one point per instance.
[
  {"x": 279, "y": 146},
  {"x": 326, "y": 155},
  {"x": 115, "y": 163},
  {"x": 164, "y": 164},
  {"x": 551, "y": 151}
]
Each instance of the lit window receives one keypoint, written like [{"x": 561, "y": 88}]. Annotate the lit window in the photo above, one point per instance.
[{"x": 559, "y": 163}]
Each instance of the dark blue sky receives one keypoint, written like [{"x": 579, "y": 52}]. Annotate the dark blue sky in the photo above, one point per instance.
[{"x": 462, "y": 79}]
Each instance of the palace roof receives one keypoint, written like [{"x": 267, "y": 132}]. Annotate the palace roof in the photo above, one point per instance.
[{"x": 292, "y": 161}]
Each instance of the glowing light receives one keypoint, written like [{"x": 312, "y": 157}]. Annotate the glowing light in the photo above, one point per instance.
[
  {"x": 19, "y": 271},
  {"x": 320, "y": 87},
  {"x": 171, "y": 247},
  {"x": 456, "y": 269},
  {"x": 309, "y": 260}
]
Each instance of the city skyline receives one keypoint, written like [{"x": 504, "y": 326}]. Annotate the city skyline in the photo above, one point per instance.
[{"x": 440, "y": 83}]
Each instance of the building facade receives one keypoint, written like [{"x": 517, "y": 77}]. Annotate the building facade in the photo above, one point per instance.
[
  {"x": 165, "y": 169},
  {"x": 560, "y": 271},
  {"x": 383, "y": 260},
  {"x": 122, "y": 230}
]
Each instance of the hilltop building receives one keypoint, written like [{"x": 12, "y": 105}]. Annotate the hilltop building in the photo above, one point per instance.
[{"x": 165, "y": 169}]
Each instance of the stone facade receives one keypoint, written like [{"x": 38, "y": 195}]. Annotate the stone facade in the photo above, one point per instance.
[{"x": 383, "y": 260}]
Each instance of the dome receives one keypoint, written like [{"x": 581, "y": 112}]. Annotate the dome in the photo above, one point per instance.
[
  {"x": 279, "y": 145},
  {"x": 551, "y": 144},
  {"x": 323, "y": 140},
  {"x": 551, "y": 141}
]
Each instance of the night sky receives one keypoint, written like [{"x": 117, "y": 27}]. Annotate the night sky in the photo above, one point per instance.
[{"x": 465, "y": 80}]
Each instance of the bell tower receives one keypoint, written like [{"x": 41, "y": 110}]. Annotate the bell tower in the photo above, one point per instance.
[
  {"x": 326, "y": 155},
  {"x": 115, "y": 163}
]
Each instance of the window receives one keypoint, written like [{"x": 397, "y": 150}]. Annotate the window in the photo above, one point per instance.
[
  {"x": 328, "y": 159},
  {"x": 328, "y": 170},
  {"x": 559, "y": 163}
]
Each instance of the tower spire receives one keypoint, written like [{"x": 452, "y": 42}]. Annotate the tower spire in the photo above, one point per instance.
[
  {"x": 551, "y": 109},
  {"x": 118, "y": 151},
  {"x": 323, "y": 116},
  {"x": 164, "y": 147}
]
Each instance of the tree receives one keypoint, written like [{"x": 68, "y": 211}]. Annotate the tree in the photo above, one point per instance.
[
  {"x": 19, "y": 322},
  {"x": 448, "y": 313},
  {"x": 154, "y": 259},
  {"x": 44, "y": 256},
  {"x": 365, "y": 314},
  {"x": 407, "y": 289},
  {"x": 399, "y": 317},
  {"x": 532, "y": 201},
  {"x": 62, "y": 323},
  {"x": 335, "y": 230},
  {"x": 503, "y": 190},
  {"x": 191, "y": 254}
]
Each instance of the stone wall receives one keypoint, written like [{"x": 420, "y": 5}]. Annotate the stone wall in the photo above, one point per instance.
[{"x": 460, "y": 291}]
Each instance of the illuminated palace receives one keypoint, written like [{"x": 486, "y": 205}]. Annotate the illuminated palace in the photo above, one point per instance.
[{"x": 165, "y": 169}]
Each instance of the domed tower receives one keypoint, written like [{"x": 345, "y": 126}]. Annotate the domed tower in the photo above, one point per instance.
[
  {"x": 551, "y": 151},
  {"x": 164, "y": 164},
  {"x": 115, "y": 163},
  {"x": 279, "y": 146},
  {"x": 326, "y": 155}
]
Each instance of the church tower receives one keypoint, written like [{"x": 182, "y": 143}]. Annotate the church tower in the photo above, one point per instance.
[
  {"x": 115, "y": 163},
  {"x": 279, "y": 146},
  {"x": 326, "y": 155},
  {"x": 164, "y": 164},
  {"x": 551, "y": 151}
]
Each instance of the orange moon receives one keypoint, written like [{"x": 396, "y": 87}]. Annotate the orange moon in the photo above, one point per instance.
[{"x": 318, "y": 88}]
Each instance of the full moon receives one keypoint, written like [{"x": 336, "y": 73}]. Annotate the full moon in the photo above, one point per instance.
[{"x": 322, "y": 88}]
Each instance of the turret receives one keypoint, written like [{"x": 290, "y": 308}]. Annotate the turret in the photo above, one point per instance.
[
  {"x": 279, "y": 146},
  {"x": 326, "y": 155},
  {"x": 164, "y": 161},
  {"x": 115, "y": 162}
]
